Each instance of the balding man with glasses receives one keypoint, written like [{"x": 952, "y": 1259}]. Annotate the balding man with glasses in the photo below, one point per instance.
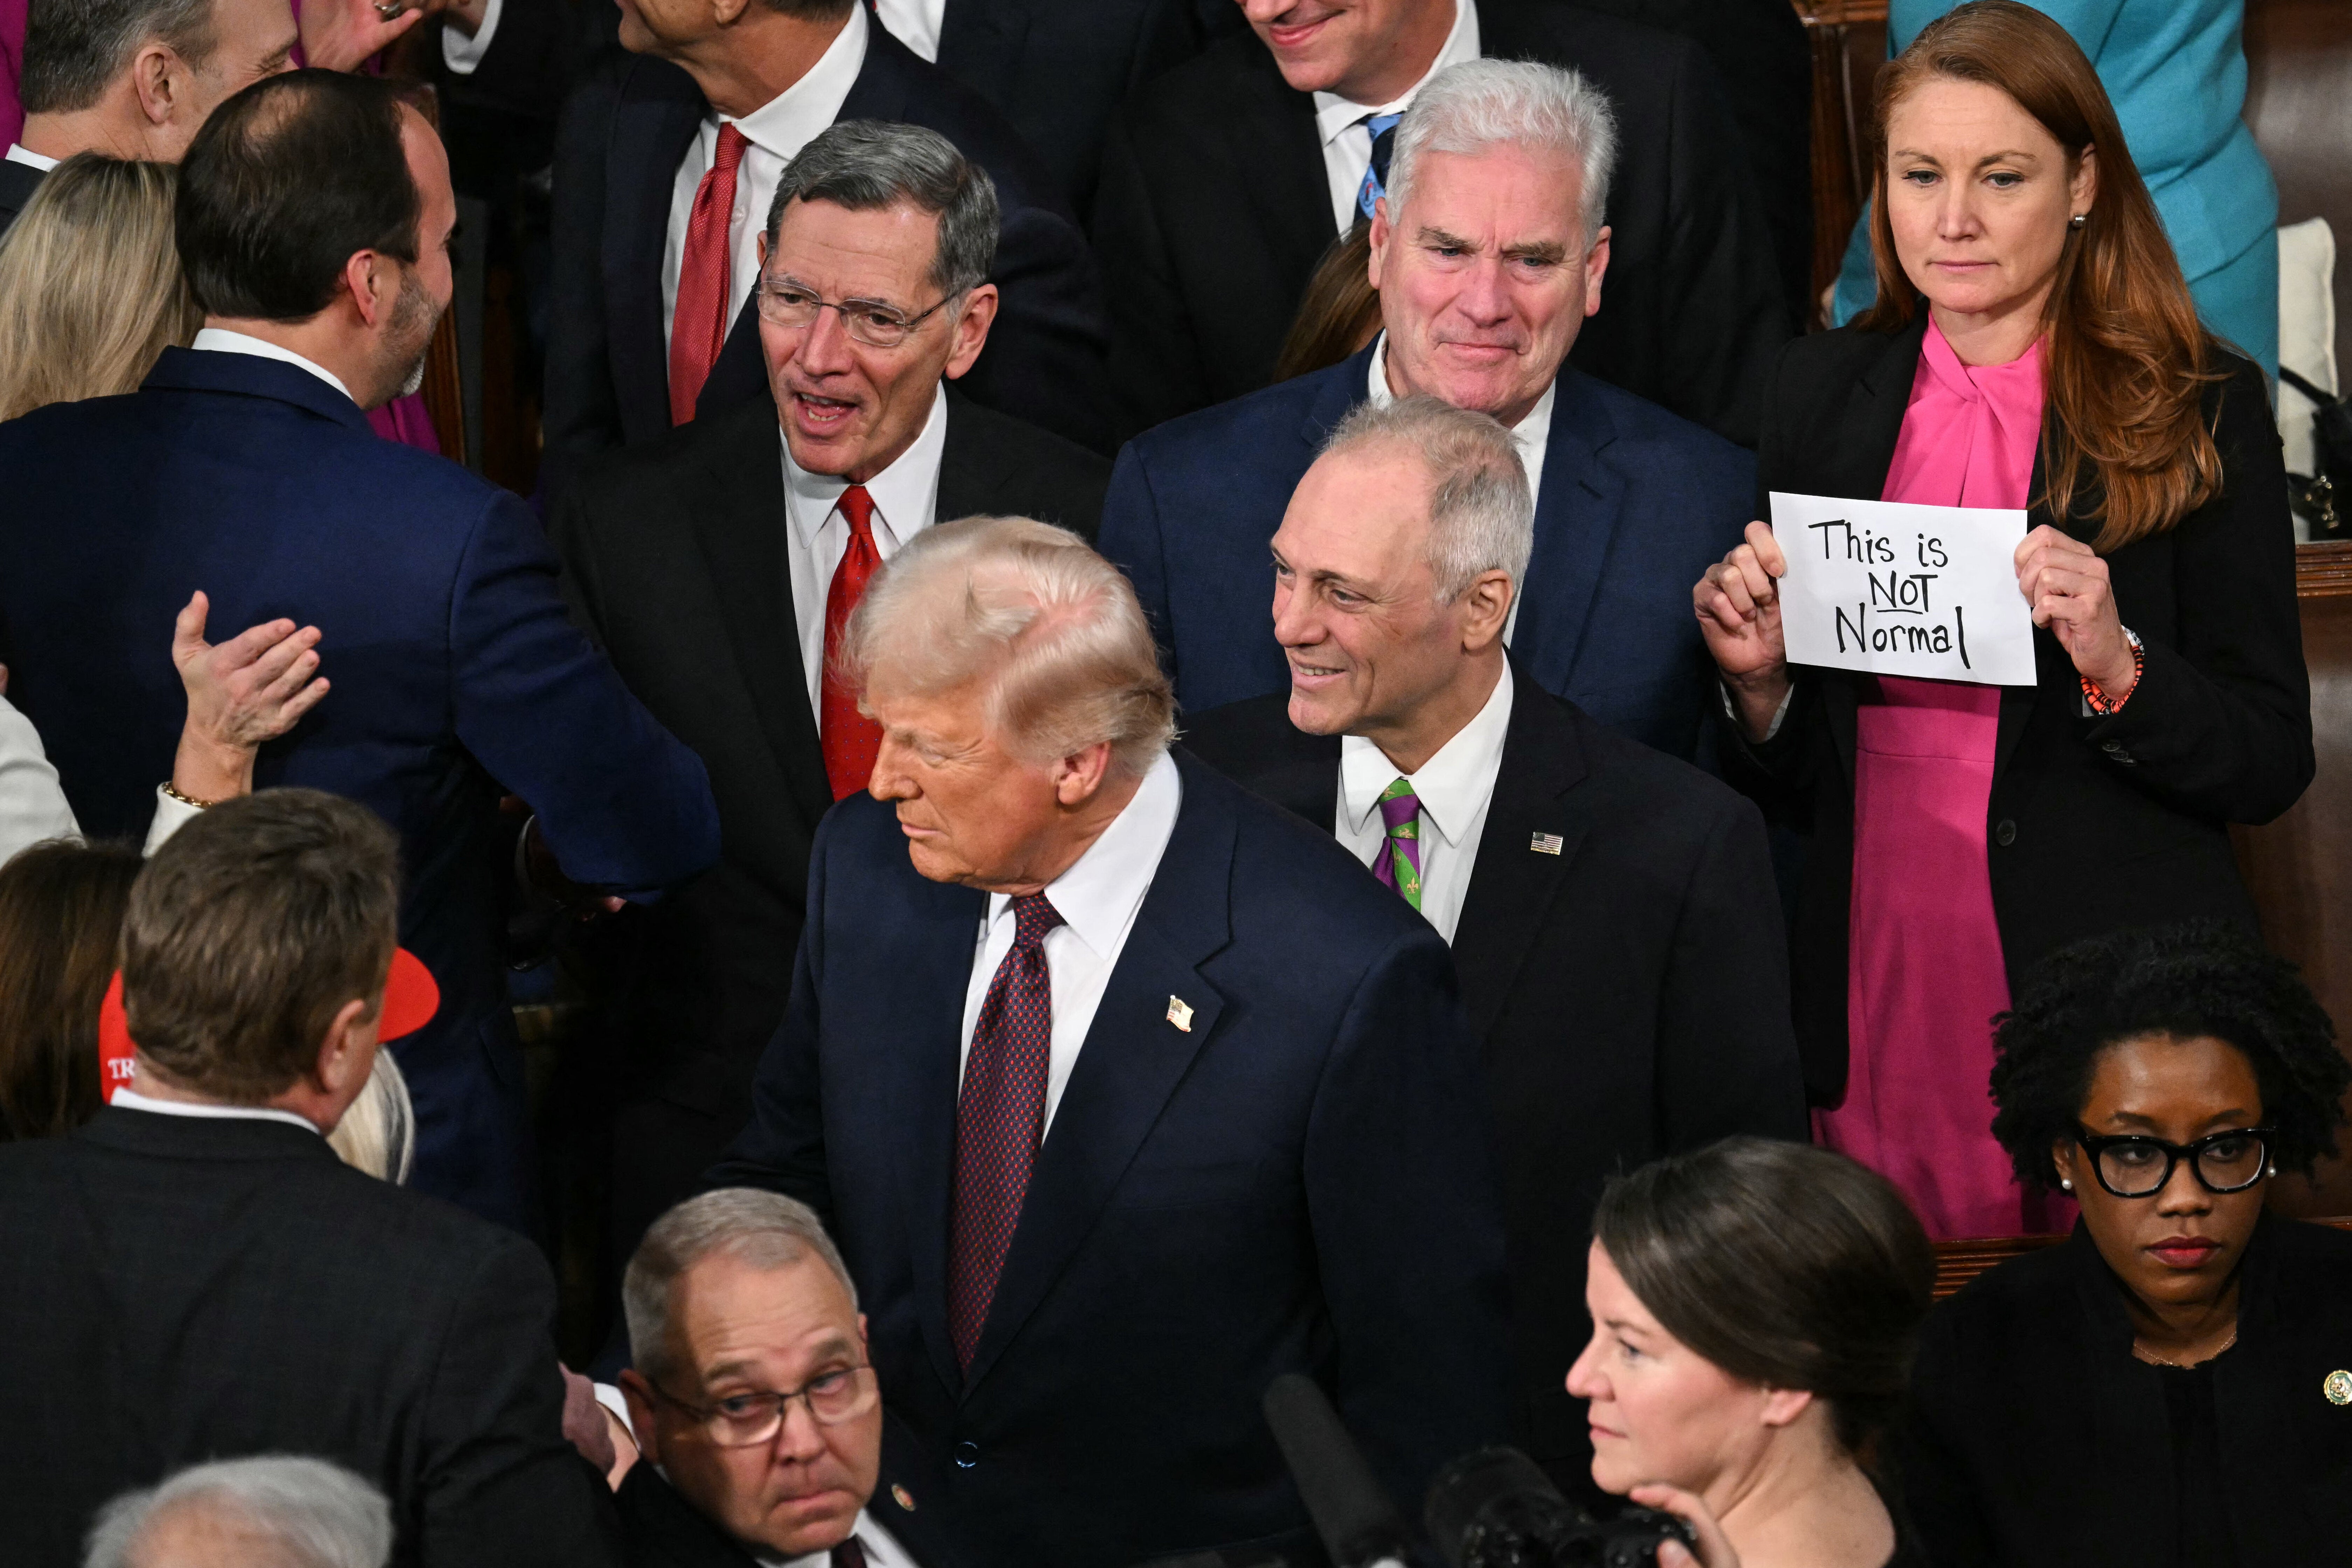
[
  {"x": 717, "y": 565},
  {"x": 753, "y": 1395}
]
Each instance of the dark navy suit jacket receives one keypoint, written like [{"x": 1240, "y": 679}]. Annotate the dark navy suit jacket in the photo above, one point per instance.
[
  {"x": 1297, "y": 1181},
  {"x": 1635, "y": 504},
  {"x": 454, "y": 675},
  {"x": 617, "y": 153}
]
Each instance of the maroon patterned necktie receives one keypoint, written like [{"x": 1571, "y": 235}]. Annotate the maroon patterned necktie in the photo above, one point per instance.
[
  {"x": 1000, "y": 1121},
  {"x": 849, "y": 1555}
]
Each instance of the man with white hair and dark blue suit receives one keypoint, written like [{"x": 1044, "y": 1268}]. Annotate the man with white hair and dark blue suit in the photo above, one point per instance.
[
  {"x": 1122, "y": 1092},
  {"x": 1489, "y": 252}
]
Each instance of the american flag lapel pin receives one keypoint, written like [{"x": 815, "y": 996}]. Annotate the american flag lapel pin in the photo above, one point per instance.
[
  {"x": 1180, "y": 1012},
  {"x": 1548, "y": 843}
]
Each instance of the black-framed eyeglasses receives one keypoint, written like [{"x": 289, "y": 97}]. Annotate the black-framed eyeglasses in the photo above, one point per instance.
[
  {"x": 871, "y": 322},
  {"x": 742, "y": 1420},
  {"x": 2133, "y": 1166}
]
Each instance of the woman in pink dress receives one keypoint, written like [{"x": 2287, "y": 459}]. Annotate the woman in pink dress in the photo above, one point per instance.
[{"x": 1959, "y": 832}]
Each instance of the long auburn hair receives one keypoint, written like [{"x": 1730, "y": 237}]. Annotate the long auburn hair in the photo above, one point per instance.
[{"x": 2124, "y": 360}]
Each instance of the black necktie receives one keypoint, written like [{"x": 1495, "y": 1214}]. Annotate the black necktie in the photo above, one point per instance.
[{"x": 849, "y": 1555}]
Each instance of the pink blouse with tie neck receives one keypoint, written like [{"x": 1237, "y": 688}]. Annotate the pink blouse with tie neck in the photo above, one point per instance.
[{"x": 1925, "y": 974}]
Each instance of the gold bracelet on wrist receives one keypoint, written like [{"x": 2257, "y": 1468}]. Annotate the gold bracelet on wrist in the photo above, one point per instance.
[{"x": 188, "y": 799}]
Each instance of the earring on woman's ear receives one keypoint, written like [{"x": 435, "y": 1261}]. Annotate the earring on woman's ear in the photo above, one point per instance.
[
  {"x": 2273, "y": 1169},
  {"x": 2067, "y": 1183},
  {"x": 2078, "y": 220}
]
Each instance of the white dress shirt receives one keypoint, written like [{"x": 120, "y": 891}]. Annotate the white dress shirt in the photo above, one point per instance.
[
  {"x": 905, "y": 502},
  {"x": 20, "y": 154},
  {"x": 220, "y": 340},
  {"x": 1097, "y": 898},
  {"x": 916, "y": 23},
  {"x": 132, "y": 1100},
  {"x": 777, "y": 131},
  {"x": 882, "y": 1549},
  {"x": 1455, "y": 787},
  {"x": 1531, "y": 435},
  {"x": 462, "y": 54},
  {"x": 1348, "y": 141}
]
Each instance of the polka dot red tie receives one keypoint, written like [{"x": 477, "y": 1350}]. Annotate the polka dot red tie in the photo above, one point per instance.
[{"x": 1000, "y": 1121}]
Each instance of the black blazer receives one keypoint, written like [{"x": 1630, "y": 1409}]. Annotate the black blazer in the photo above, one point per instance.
[
  {"x": 1057, "y": 69},
  {"x": 1627, "y": 990},
  {"x": 1213, "y": 211},
  {"x": 2036, "y": 1437},
  {"x": 673, "y": 561},
  {"x": 1290, "y": 1174},
  {"x": 1760, "y": 52},
  {"x": 2093, "y": 825},
  {"x": 659, "y": 1528},
  {"x": 182, "y": 1290},
  {"x": 17, "y": 184},
  {"x": 617, "y": 151}
]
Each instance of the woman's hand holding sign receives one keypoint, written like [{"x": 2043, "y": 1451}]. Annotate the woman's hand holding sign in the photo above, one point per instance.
[
  {"x": 2065, "y": 581},
  {"x": 1738, "y": 607}
]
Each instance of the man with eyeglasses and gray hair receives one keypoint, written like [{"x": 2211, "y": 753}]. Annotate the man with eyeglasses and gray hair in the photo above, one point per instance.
[
  {"x": 273, "y": 1511},
  {"x": 717, "y": 565},
  {"x": 753, "y": 1403}
]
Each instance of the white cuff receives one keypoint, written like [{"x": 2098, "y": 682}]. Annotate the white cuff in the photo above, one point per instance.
[
  {"x": 462, "y": 54},
  {"x": 1731, "y": 709},
  {"x": 609, "y": 1395},
  {"x": 171, "y": 816}
]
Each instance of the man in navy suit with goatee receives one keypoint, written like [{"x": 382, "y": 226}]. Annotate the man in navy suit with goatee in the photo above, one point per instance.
[
  {"x": 1123, "y": 1092},
  {"x": 314, "y": 219}
]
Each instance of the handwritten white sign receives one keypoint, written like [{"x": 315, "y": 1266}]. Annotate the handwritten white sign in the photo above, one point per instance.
[{"x": 1895, "y": 589}]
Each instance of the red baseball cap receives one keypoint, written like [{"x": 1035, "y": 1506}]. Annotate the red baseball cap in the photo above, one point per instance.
[{"x": 410, "y": 999}]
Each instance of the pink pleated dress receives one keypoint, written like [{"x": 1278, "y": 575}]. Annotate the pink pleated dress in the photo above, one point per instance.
[{"x": 1924, "y": 973}]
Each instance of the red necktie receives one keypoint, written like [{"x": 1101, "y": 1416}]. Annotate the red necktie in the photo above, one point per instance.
[
  {"x": 849, "y": 738},
  {"x": 849, "y": 1555},
  {"x": 1000, "y": 1121},
  {"x": 697, "y": 329}
]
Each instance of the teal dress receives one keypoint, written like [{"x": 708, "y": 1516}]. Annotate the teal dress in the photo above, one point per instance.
[{"x": 2176, "y": 72}]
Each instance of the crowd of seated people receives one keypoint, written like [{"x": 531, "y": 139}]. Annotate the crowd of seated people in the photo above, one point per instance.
[{"x": 1146, "y": 694}]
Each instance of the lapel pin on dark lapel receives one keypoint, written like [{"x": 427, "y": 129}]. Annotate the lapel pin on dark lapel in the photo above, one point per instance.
[
  {"x": 1180, "y": 1012},
  {"x": 902, "y": 1497},
  {"x": 1548, "y": 843},
  {"x": 2337, "y": 1387}
]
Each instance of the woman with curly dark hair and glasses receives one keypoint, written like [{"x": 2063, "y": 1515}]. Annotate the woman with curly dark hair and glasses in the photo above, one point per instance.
[{"x": 2173, "y": 1385}]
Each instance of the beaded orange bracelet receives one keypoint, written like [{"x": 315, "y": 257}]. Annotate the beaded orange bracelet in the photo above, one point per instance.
[{"x": 2097, "y": 699}]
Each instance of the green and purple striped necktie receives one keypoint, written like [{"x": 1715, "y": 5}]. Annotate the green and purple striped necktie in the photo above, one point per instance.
[{"x": 1398, "y": 861}]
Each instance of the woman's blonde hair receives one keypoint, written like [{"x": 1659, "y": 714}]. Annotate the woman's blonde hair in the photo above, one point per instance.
[
  {"x": 378, "y": 1133},
  {"x": 2125, "y": 364},
  {"x": 91, "y": 290}
]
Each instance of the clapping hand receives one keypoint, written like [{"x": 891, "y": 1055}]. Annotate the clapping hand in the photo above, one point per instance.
[
  {"x": 251, "y": 689},
  {"x": 343, "y": 34}
]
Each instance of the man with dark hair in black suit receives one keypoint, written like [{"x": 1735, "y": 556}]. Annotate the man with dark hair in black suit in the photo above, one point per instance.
[
  {"x": 665, "y": 166},
  {"x": 718, "y": 564},
  {"x": 1227, "y": 179},
  {"x": 1610, "y": 909},
  {"x": 1058, "y": 69},
  {"x": 195, "y": 1274}
]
